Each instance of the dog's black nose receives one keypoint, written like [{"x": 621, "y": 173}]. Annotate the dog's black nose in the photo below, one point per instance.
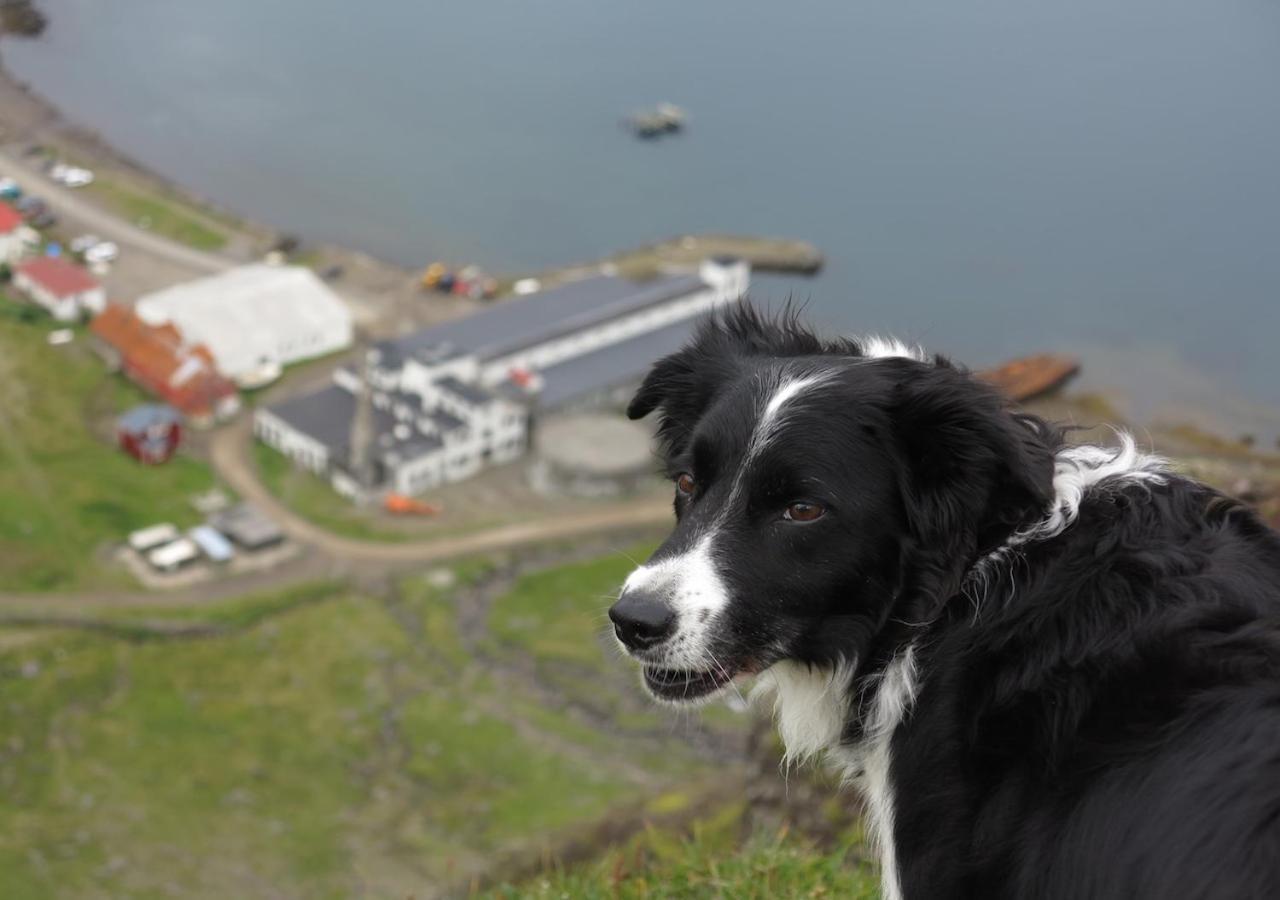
[{"x": 641, "y": 621}]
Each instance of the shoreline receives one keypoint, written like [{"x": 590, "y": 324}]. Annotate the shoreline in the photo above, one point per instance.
[
  {"x": 41, "y": 121},
  {"x": 387, "y": 298}
]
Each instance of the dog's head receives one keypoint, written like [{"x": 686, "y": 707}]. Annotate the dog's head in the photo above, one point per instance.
[{"x": 822, "y": 490}]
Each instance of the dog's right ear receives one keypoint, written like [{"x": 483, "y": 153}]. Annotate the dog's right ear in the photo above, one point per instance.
[
  {"x": 685, "y": 383},
  {"x": 682, "y": 386}
]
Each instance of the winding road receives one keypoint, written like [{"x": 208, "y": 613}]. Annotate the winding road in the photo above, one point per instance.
[
  {"x": 333, "y": 555},
  {"x": 228, "y": 451},
  {"x": 75, "y": 205}
]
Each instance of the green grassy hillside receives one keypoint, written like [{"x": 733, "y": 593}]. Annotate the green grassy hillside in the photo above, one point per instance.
[
  {"x": 64, "y": 491},
  {"x": 325, "y": 742}
]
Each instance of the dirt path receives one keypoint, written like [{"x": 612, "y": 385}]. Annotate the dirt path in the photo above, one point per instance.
[
  {"x": 228, "y": 451},
  {"x": 329, "y": 555}
]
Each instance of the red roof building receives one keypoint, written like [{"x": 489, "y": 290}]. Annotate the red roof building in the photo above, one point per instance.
[
  {"x": 158, "y": 359},
  {"x": 60, "y": 286},
  {"x": 10, "y": 219},
  {"x": 60, "y": 277},
  {"x": 150, "y": 433},
  {"x": 17, "y": 239}
]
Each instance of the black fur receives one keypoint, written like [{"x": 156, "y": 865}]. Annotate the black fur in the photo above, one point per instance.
[{"x": 1098, "y": 713}]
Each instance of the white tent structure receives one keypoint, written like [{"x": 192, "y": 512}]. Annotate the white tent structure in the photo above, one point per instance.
[{"x": 255, "y": 319}]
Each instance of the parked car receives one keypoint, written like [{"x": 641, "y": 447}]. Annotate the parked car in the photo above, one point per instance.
[
  {"x": 30, "y": 205},
  {"x": 78, "y": 178},
  {"x": 103, "y": 252},
  {"x": 9, "y": 188},
  {"x": 82, "y": 243},
  {"x": 71, "y": 176},
  {"x": 43, "y": 219}
]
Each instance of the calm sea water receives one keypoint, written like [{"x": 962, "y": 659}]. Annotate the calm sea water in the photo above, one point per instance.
[{"x": 989, "y": 177}]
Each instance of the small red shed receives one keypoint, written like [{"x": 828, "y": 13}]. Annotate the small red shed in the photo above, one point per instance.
[{"x": 150, "y": 433}]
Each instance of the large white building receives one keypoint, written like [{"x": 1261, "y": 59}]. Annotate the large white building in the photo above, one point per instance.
[
  {"x": 255, "y": 319},
  {"x": 438, "y": 405}
]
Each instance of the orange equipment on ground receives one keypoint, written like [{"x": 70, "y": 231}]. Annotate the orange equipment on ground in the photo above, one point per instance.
[{"x": 401, "y": 505}]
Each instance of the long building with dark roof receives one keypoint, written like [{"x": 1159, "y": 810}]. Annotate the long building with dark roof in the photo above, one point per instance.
[{"x": 449, "y": 399}]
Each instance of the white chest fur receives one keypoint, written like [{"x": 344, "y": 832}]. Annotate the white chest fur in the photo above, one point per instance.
[{"x": 812, "y": 705}]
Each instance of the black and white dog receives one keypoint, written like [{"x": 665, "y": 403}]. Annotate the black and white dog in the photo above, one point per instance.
[{"x": 1054, "y": 671}]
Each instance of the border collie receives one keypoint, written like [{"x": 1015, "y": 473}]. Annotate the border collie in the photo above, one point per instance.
[{"x": 1053, "y": 671}]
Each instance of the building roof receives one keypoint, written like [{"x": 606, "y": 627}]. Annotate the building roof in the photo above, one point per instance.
[
  {"x": 245, "y": 315},
  {"x": 596, "y": 445},
  {"x": 173, "y": 554},
  {"x": 10, "y": 219},
  {"x": 142, "y": 417},
  {"x": 527, "y": 321},
  {"x": 145, "y": 539},
  {"x": 326, "y": 415},
  {"x": 161, "y": 357},
  {"x": 445, "y": 421},
  {"x": 471, "y": 393},
  {"x": 58, "y": 276},
  {"x": 612, "y": 366},
  {"x": 247, "y": 526},
  {"x": 212, "y": 543}
]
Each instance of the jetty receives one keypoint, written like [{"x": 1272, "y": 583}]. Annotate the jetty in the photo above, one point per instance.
[
  {"x": 684, "y": 253},
  {"x": 765, "y": 254}
]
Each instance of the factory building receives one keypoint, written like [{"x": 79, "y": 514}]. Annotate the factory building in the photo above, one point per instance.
[{"x": 440, "y": 404}]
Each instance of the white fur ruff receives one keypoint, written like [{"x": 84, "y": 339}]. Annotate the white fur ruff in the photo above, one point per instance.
[
  {"x": 811, "y": 706},
  {"x": 1076, "y": 471}
]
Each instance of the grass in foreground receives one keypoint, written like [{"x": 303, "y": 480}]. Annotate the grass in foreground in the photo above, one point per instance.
[
  {"x": 331, "y": 744},
  {"x": 660, "y": 866},
  {"x": 161, "y": 215},
  {"x": 63, "y": 491},
  {"x": 559, "y": 615}
]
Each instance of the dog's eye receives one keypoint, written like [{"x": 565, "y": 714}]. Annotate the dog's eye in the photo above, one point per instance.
[
  {"x": 803, "y": 512},
  {"x": 685, "y": 484}
]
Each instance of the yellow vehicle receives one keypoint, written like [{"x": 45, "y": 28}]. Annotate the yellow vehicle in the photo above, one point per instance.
[{"x": 431, "y": 277}]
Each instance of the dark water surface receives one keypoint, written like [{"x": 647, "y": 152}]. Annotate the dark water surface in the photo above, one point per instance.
[{"x": 989, "y": 177}]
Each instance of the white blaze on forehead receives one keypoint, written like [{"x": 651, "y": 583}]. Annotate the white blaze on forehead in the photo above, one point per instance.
[{"x": 785, "y": 393}]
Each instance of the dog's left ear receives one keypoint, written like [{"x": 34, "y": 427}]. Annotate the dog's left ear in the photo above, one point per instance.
[{"x": 976, "y": 471}]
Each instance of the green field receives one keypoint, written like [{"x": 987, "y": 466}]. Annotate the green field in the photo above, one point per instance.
[
  {"x": 663, "y": 867},
  {"x": 161, "y": 214},
  {"x": 327, "y": 743},
  {"x": 65, "y": 489}
]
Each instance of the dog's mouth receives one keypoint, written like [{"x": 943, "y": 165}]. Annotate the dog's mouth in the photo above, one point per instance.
[{"x": 689, "y": 685}]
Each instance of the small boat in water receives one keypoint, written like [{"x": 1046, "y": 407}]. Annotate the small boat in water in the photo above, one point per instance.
[
  {"x": 667, "y": 118},
  {"x": 1032, "y": 376}
]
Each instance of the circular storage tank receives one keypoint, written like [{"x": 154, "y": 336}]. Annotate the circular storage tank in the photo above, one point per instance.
[{"x": 592, "y": 455}]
